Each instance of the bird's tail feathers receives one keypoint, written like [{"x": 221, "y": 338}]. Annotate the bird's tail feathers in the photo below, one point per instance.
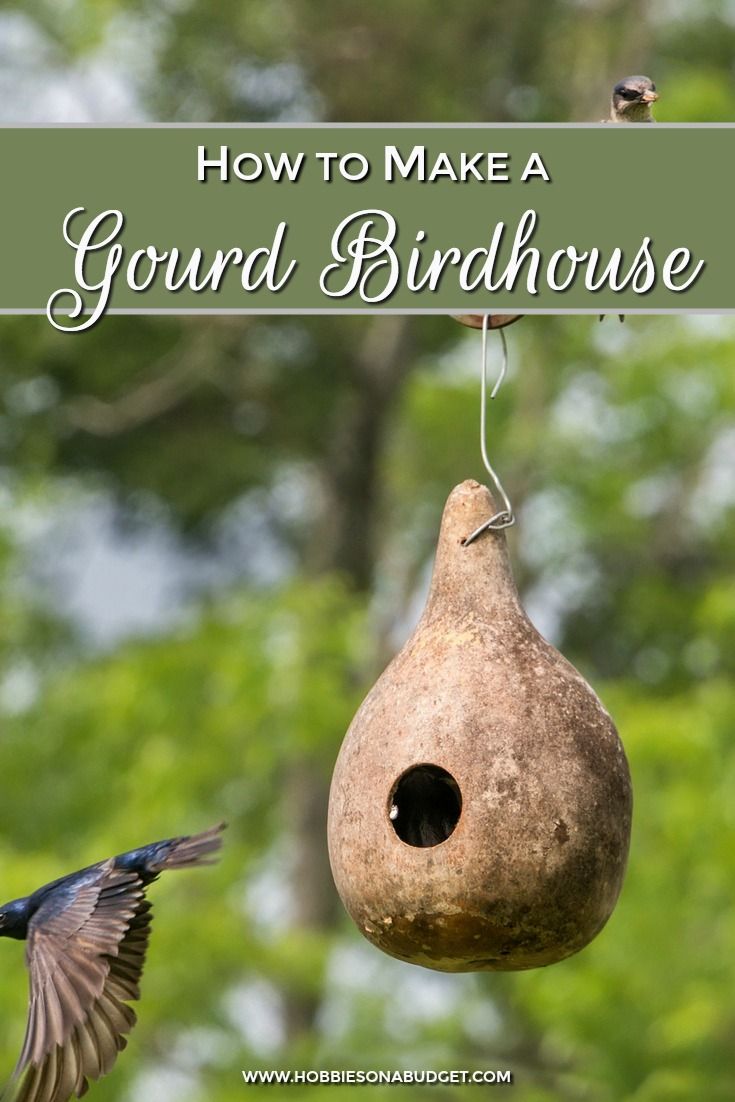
[{"x": 194, "y": 849}]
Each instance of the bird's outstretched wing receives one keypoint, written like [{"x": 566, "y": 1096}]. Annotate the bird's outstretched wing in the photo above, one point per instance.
[{"x": 85, "y": 954}]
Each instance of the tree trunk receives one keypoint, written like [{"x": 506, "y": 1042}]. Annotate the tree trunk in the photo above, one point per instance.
[{"x": 344, "y": 542}]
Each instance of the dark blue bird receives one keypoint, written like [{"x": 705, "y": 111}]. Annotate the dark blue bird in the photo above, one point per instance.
[{"x": 87, "y": 935}]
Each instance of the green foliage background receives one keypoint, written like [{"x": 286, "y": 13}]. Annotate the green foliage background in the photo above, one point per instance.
[{"x": 344, "y": 436}]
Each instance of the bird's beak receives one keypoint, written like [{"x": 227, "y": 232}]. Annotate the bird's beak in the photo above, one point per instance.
[{"x": 649, "y": 97}]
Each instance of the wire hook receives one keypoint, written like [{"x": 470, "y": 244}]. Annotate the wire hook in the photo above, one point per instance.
[{"x": 505, "y": 517}]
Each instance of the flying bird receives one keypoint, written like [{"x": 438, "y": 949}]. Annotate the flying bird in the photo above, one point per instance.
[
  {"x": 86, "y": 939},
  {"x": 631, "y": 100}
]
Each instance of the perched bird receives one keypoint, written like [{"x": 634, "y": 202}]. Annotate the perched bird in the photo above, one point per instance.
[
  {"x": 631, "y": 100},
  {"x": 86, "y": 939}
]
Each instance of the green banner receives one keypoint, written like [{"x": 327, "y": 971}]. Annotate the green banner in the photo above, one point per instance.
[{"x": 351, "y": 218}]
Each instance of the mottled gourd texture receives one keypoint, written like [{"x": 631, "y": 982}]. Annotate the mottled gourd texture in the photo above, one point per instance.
[{"x": 532, "y": 869}]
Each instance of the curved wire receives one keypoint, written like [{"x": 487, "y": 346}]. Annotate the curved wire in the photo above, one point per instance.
[{"x": 505, "y": 517}]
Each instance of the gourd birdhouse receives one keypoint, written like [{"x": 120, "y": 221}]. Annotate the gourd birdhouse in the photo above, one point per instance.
[{"x": 480, "y": 807}]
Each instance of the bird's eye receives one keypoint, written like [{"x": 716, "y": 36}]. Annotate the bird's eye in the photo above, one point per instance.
[
  {"x": 653, "y": 87},
  {"x": 629, "y": 94}
]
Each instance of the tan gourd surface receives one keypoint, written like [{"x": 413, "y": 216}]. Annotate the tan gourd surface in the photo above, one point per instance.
[{"x": 535, "y": 863}]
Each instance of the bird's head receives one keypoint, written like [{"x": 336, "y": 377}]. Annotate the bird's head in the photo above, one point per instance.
[
  {"x": 632, "y": 99},
  {"x": 14, "y": 919}
]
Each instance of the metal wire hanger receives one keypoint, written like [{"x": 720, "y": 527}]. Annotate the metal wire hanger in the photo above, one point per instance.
[{"x": 505, "y": 517}]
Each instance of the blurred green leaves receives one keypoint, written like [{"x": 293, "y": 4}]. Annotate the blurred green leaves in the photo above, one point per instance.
[
  {"x": 169, "y": 736},
  {"x": 616, "y": 443}
]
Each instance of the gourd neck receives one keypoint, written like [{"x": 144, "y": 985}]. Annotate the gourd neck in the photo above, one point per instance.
[{"x": 477, "y": 577}]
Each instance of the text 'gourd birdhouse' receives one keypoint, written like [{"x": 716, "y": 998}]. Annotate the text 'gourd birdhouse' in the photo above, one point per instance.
[{"x": 480, "y": 808}]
